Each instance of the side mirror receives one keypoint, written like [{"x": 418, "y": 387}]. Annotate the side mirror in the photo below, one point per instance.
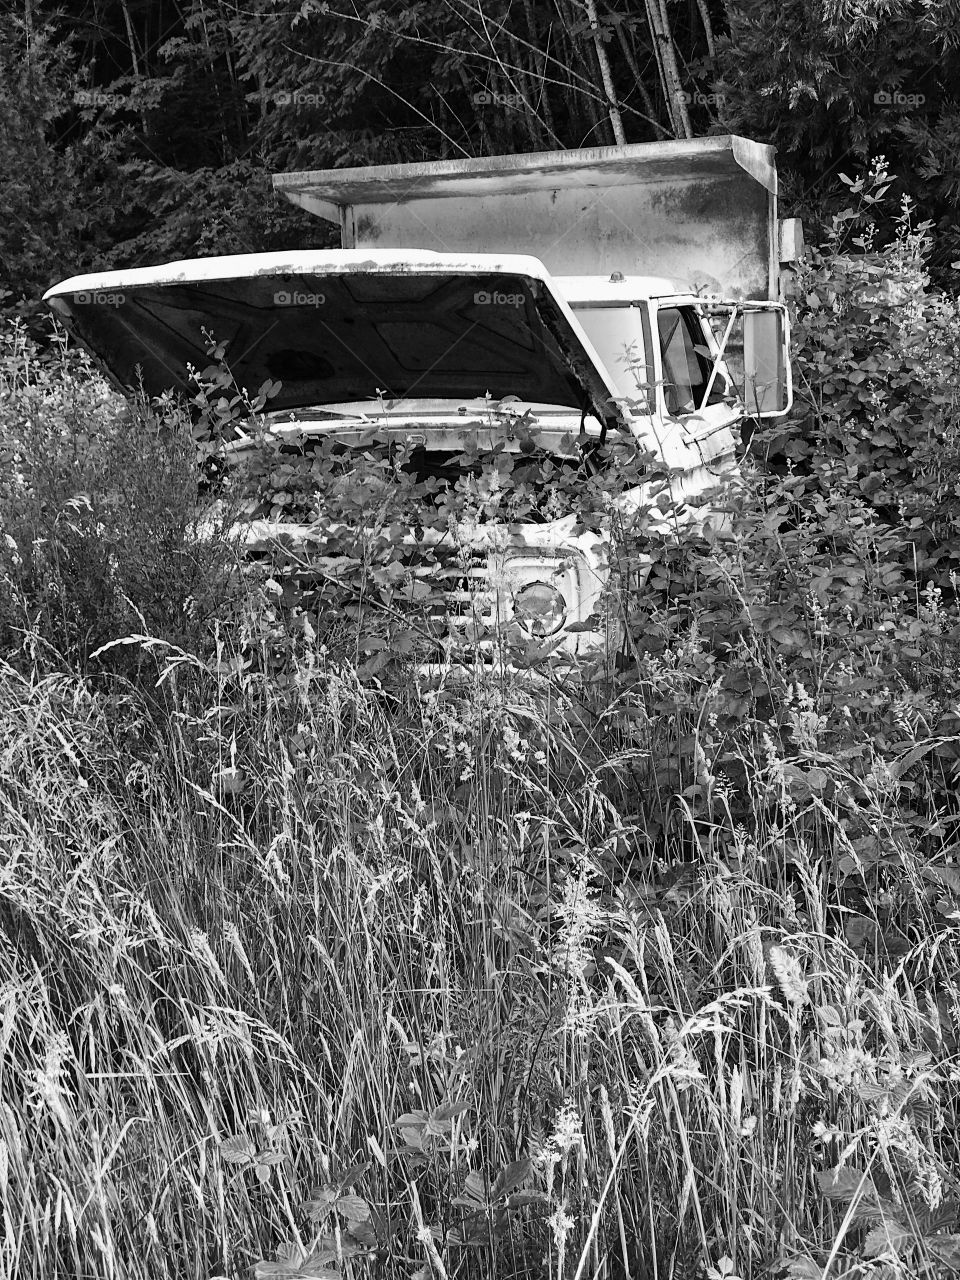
[{"x": 767, "y": 376}]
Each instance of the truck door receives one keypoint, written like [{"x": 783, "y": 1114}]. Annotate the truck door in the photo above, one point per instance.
[{"x": 698, "y": 408}]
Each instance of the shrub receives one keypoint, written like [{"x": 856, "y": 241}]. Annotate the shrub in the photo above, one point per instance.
[
  {"x": 102, "y": 529},
  {"x": 877, "y": 357}
]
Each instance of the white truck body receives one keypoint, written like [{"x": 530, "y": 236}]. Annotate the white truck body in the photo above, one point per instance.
[{"x": 469, "y": 293}]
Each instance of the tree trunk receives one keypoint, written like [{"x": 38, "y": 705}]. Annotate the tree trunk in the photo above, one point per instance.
[
  {"x": 131, "y": 41},
  {"x": 541, "y": 75},
  {"x": 707, "y": 27},
  {"x": 616, "y": 121},
  {"x": 669, "y": 72},
  {"x": 631, "y": 61}
]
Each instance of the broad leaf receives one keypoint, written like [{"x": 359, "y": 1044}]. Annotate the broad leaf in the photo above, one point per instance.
[
  {"x": 511, "y": 1177},
  {"x": 320, "y": 1203},
  {"x": 521, "y": 1198},
  {"x": 365, "y": 1233},
  {"x": 946, "y": 1249},
  {"x": 888, "y": 1237},
  {"x": 803, "y": 1269},
  {"x": 352, "y": 1173},
  {"x": 238, "y": 1150},
  {"x": 475, "y": 1188},
  {"x": 939, "y": 1219},
  {"x": 448, "y": 1111},
  {"x": 411, "y": 1120},
  {"x": 293, "y": 1264},
  {"x": 843, "y": 1182},
  {"x": 353, "y": 1208}
]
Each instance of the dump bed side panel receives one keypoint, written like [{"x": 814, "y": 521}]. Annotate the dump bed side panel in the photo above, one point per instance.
[
  {"x": 700, "y": 211},
  {"x": 703, "y": 234}
]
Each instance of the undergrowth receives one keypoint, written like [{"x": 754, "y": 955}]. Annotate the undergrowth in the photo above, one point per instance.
[
  {"x": 312, "y": 969},
  {"x": 432, "y": 984}
]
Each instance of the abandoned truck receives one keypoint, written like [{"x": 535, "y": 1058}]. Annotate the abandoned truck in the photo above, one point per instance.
[{"x": 591, "y": 292}]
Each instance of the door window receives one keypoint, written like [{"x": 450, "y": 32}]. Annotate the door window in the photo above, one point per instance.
[
  {"x": 686, "y": 370},
  {"x": 617, "y": 334}
]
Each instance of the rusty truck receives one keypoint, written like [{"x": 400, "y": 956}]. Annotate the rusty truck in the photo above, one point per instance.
[{"x": 633, "y": 290}]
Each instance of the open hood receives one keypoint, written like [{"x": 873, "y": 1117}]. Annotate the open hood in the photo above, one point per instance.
[{"x": 343, "y": 325}]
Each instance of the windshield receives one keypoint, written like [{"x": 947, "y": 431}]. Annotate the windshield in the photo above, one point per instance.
[
  {"x": 686, "y": 362},
  {"x": 617, "y": 333}
]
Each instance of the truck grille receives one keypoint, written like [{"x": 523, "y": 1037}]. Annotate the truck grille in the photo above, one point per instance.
[
  {"x": 455, "y": 603},
  {"x": 461, "y": 607}
]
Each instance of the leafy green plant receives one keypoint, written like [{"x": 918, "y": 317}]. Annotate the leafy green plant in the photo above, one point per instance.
[
  {"x": 878, "y": 357},
  {"x": 104, "y": 529},
  {"x": 923, "y": 1244}
]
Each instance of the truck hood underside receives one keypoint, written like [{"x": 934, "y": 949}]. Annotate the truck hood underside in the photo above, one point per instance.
[{"x": 339, "y": 335}]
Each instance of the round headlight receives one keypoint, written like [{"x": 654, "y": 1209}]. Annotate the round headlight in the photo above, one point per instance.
[{"x": 540, "y": 609}]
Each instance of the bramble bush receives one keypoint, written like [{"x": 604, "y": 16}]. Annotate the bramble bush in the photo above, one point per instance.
[
  {"x": 878, "y": 357},
  {"x": 841, "y": 577}
]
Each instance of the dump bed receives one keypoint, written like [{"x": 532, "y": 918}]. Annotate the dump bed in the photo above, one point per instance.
[{"x": 701, "y": 211}]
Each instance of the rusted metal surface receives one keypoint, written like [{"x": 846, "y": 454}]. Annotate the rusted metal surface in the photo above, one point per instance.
[{"x": 701, "y": 211}]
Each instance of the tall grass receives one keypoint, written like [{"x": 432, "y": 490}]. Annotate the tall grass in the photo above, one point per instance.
[
  {"x": 308, "y": 975},
  {"x": 244, "y": 935}
]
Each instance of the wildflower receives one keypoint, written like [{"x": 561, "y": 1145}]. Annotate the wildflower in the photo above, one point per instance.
[
  {"x": 724, "y": 1270},
  {"x": 567, "y": 1129},
  {"x": 929, "y": 1184},
  {"x": 46, "y": 1083},
  {"x": 825, "y": 1133},
  {"x": 789, "y": 975},
  {"x": 561, "y": 1224},
  {"x": 119, "y": 993},
  {"x": 704, "y": 775},
  {"x": 581, "y": 918},
  {"x": 850, "y": 1064},
  {"x": 806, "y": 724},
  {"x": 775, "y": 771}
]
